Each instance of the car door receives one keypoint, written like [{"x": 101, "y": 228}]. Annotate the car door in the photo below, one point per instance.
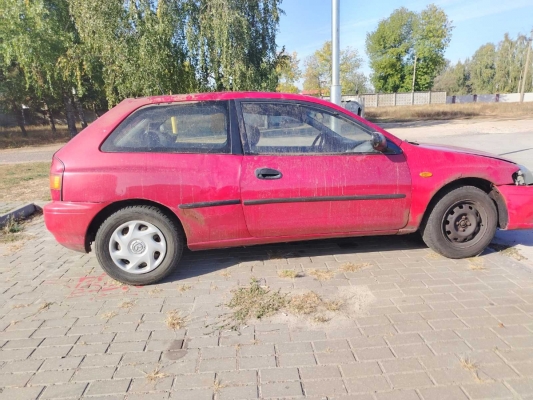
[{"x": 310, "y": 170}]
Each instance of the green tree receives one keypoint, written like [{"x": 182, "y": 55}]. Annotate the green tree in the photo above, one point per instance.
[
  {"x": 482, "y": 69},
  {"x": 405, "y": 40},
  {"x": 317, "y": 72},
  {"x": 288, "y": 70},
  {"x": 232, "y": 43},
  {"x": 453, "y": 79}
]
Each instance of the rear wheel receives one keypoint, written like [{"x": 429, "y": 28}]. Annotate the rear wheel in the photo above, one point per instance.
[
  {"x": 462, "y": 223},
  {"x": 138, "y": 245}
]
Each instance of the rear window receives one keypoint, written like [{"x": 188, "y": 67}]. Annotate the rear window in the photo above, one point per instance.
[{"x": 179, "y": 128}]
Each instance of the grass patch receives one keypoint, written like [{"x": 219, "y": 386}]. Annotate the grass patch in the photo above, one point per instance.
[
  {"x": 25, "y": 182},
  {"x": 12, "y": 231},
  {"x": 351, "y": 267},
  {"x": 321, "y": 274},
  {"x": 38, "y": 135},
  {"x": 175, "y": 320},
  {"x": 449, "y": 111},
  {"x": 321, "y": 319}
]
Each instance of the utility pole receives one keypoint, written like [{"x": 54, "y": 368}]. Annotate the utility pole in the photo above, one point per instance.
[
  {"x": 335, "y": 95},
  {"x": 524, "y": 79},
  {"x": 413, "y": 85}
]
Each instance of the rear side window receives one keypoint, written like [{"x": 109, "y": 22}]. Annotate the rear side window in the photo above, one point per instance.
[{"x": 179, "y": 128}]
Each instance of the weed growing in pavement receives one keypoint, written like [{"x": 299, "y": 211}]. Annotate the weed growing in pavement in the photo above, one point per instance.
[
  {"x": 321, "y": 275},
  {"x": 321, "y": 319},
  {"x": 351, "y": 267},
  {"x": 127, "y": 304},
  {"x": 175, "y": 320},
  {"x": 471, "y": 366},
  {"x": 11, "y": 231},
  {"x": 155, "y": 375},
  {"x": 476, "y": 264},
  {"x": 306, "y": 303},
  {"x": 289, "y": 273},
  {"x": 184, "y": 288},
  {"x": 108, "y": 315},
  {"x": 508, "y": 251}
]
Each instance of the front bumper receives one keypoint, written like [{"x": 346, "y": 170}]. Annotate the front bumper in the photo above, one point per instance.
[
  {"x": 69, "y": 222},
  {"x": 519, "y": 202}
]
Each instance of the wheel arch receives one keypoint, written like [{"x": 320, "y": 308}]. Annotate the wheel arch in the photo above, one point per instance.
[
  {"x": 483, "y": 184},
  {"x": 114, "y": 207}
]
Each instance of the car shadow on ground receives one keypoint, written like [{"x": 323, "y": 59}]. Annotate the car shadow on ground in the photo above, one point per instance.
[{"x": 291, "y": 254}]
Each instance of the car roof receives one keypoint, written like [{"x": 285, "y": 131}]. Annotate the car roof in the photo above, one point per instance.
[{"x": 210, "y": 96}]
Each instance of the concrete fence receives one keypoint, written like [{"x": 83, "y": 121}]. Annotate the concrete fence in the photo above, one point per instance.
[
  {"x": 398, "y": 99},
  {"x": 489, "y": 98}
]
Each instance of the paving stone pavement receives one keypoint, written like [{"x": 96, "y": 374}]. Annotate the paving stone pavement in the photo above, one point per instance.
[{"x": 427, "y": 328}]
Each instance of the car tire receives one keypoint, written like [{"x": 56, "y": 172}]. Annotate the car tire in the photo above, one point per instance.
[
  {"x": 461, "y": 224},
  {"x": 139, "y": 245}
]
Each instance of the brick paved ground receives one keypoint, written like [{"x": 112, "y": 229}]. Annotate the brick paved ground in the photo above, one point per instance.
[{"x": 429, "y": 328}]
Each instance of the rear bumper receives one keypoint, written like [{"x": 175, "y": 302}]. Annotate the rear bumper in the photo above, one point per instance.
[
  {"x": 69, "y": 222},
  {"x": 519, "y": 202}
]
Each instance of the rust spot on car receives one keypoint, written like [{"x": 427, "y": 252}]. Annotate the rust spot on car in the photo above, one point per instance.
[{"x": 195, "y": 216}]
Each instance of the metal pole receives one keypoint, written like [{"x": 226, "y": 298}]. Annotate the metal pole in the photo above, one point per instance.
[
  {"x": 524, "y": 80},
  {"x": 335, "y": 96}
]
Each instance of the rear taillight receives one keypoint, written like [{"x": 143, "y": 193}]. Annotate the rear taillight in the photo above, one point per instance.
[{"x": 56, "y": 178}]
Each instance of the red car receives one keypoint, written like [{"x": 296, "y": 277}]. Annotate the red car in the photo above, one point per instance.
[{"x": 156, "y": 174}]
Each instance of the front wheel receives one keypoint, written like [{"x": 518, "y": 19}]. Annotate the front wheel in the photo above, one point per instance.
[
  {"x": 138, "y": 245},
  {"x": 461, "y": 224}
]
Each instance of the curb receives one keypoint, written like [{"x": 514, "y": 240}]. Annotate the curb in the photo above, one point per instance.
[{"x": 19, "y": 213}]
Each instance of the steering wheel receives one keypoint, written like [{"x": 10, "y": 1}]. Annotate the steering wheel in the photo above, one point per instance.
[{"x": 319, "y": 141}]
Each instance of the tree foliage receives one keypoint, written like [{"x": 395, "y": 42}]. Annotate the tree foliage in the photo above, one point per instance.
[
  {"x": 402, "y": 38},
  {"x": 74, "y": 53},
  {"x": 288, "y": 70},
  {"x": 492, "y": 69},
  {"x": 317, "y": 72}
]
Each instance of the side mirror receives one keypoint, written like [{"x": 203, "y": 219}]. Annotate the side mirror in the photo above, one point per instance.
[{"x": 379, "y": 141}]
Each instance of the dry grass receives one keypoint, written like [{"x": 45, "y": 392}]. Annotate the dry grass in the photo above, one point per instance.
[
  {"x": 508, "y": 251},
  {"x": 321, "y": 274},
  {"x": 253, "y": 301},
  {"x": 333, "y": 305},
  {"x": 226, "y": 274},
  {"x": 155, "y": 290},
  {"x": 217, "y": 386},
  {"x": 108, "y": 315},
  {"x": 25, "y": 182},
  {"x": 321, "y": 319},
  {"x": 127, "y": 304},
  {"x": 184, "y": 288},
  {"x": 476, "y": 264},
  {"x": 471, "y": 366},
  {"x": 351, "y": 267},
  {"x": 175, "y": 320},
  {"x": 289, "y": 273},
  {"x": 155, "y": 375},
  {"x": 278, "y": 254},
  {"x": 306, "y": 303},
  {"x": 11, "y": 231},
  {"x": 37, "y": 135},
  {"x": 449, "y": 111}
]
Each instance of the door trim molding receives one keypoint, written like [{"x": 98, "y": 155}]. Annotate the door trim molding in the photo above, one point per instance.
[
  {"x": 209, "y": 204},
  {"x": 323, "y": 198}
]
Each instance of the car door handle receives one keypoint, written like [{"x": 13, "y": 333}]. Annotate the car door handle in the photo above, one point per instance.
[{"x": 267, "y": 173}]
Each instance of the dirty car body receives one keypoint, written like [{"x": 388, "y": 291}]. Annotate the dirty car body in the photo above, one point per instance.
[{"x": 244, "y": 168}]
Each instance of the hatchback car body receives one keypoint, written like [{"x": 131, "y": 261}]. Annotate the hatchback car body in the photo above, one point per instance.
[{"x": 156, "y": 174}]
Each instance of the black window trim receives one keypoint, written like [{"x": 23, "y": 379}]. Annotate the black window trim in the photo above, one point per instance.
[
  {"x": 231, "y": 126},
  {"x": 392, "y": 147}
]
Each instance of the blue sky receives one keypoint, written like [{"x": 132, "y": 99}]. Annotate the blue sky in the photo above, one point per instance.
[{"x": 306, "y": 24}]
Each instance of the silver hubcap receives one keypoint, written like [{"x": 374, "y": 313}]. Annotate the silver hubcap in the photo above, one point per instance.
[{"x": 137, "y": 247}]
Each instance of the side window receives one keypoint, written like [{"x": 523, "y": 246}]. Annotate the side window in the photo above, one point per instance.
[
  {"x": 179, "y": 128},
  {"x": 284, "y": 128}
]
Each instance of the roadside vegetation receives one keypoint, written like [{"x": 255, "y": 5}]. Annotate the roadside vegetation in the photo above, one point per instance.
[
  {"x": 24, "y": 182},
  {"x": 38, "y": 135},
  {"x": 449, "y": 111}
]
